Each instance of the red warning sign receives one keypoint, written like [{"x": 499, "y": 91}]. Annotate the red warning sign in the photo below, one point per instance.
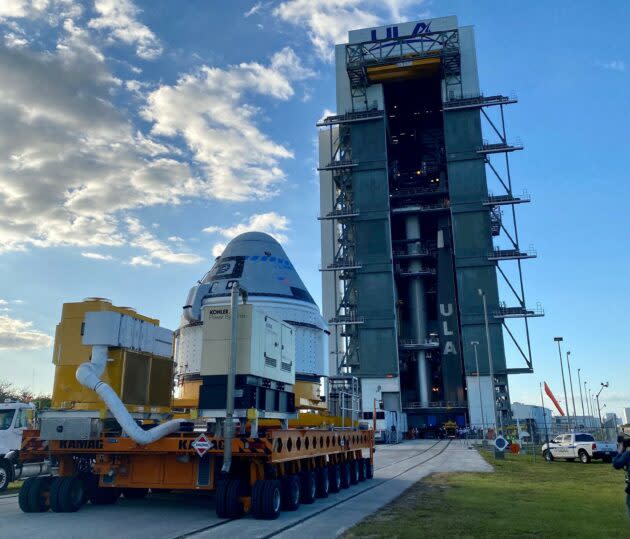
[{"x": 202, "y": 445}]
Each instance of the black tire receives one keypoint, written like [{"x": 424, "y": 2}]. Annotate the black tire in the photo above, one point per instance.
[
  {"x": 323, "y": 482},
  {"x": 266, "y": 499},
  {"x": 38, "y": 495},
  {"x": 290, "y": 493},
  {"x": 54, "y": 494},
  {"x": 308, "y": 487},
  {"x": 233, "y": 504},
  {"x": 67, "y": 494},
  {"x": 221, "y": 496},
  {"x": 104, "y": 495},
  {"x": 23, "y": 495},
  {"x": 362, "y": 470},
  {"x": 345, "y": 475},
  {"x": 257, "y": 496},
  {"x": 334, "y": 476},
  {"x": 354, "y": 472},
  {"x": 585, "y": 458},
  {"x": 135, "y": 493},
  {"x": 369, "y": 469},
  {"x": 548, "y": 456},
  {"x": 6, "y": 474}
]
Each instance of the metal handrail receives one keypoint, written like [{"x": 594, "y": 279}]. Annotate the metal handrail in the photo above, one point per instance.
[{"x": 436, "y": 404}]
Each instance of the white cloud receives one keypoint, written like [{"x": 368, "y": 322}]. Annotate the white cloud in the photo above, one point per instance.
[
  {"x": 326, "y": 114},
  {"x": 328, "y": 21},
  {"x": 253, "y": 10},
  {"x": 209, "y": 109},
  {"x": 119, "y": 18},
  {"x": 73, "y": 166},
  {"x": 143, "y": 261},
  {"x": 615, "y": 65},
  {"x": 14, "y": 40},
  {"x": 272, "y": 223},
  {"x": 157, "y": 250},
  {"x": 96, "y": 256},
  {"x": 70, "y": 161},
  {"x": 54, "y": 10},
  {"x": 217, "y": 249},
  {"x": 20, "y": 335},
  {"x": 3, "y": 302}
]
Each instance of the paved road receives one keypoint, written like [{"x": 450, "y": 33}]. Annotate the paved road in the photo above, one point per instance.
[{"x": 178, "y": 516}]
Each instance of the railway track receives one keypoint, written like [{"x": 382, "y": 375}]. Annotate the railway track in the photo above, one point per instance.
[{"x": 372, "y": 485}]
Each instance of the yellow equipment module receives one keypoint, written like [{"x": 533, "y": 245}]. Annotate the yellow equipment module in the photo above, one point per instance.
[{"x": 143, "y": 381}]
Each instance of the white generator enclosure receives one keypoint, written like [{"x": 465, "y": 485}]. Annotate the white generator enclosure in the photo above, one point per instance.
[{"x": 265, "y": 346}]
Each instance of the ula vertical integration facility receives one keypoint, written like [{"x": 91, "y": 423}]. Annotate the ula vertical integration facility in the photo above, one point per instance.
[{"x": 409, "y": 225}]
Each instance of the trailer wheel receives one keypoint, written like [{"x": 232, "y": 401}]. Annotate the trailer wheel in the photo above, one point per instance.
[
  {"x": 229, "y": 504},
  {"x": 6, "y": 471},
  {"x": 361, "y": 464},
  {"x": 257, "y": 494},
  {"x": 24, "y": 495},
  {"x": 584, "y": 457},
  {"x": 354, "y": 472},
  {"x": 67, "y": 494},
  {"x": 290, "y": 492},
  {"x": 33, "y": 496},
  {"x": 135, "y": 493},
  {"x": 266, "y": 499},
  {"x": 369, "y": 469},
  {"x": 345, "y": 475},
  {"x": 308, "y": 487},
  {"x": 323, "y": 482},
  {"x": 334, "y": 475}
]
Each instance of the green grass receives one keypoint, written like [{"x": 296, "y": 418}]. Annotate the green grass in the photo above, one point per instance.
[{"x": 524, "y": 497}]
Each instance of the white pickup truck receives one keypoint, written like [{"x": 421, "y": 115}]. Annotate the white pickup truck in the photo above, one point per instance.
[
  {"x": 578, "y": 446},
  {"x": 14, "y": 418}
]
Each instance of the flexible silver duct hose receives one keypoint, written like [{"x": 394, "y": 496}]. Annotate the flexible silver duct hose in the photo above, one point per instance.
[{"x": 89, "y": 374}]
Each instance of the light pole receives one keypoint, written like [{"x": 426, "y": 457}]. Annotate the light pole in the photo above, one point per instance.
[
  {"x": 571, "y": 385},
  {"x": 599, "y": 410},
  {"x": 564, "y": 385},
  {"x": 580, "y": 386},
  {"x": 483, "y": 420},
  {"x": 589, "y": 401},
  {"x": 490, "y": 364}
]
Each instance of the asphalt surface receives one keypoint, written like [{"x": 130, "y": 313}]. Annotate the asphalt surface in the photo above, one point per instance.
[{"x": 172, "y": 516}]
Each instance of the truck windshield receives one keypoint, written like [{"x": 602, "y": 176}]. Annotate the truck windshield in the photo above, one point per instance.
[{"x": 6, "y": 416}]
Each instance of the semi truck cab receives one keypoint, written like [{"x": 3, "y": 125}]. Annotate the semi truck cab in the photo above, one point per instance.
[{"x": 14, "y": 418}]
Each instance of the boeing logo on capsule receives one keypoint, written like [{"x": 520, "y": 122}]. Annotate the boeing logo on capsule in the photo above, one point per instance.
[{"x": 391, "y": 32}]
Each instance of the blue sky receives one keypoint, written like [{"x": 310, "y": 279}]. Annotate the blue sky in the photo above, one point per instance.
[{"x": 139, "y": 137}]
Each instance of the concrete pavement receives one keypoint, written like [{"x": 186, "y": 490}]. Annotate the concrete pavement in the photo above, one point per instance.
[{"x": 171, "y": 516}]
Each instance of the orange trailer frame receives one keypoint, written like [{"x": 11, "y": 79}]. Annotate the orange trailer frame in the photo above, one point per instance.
[{"x": 175, "y": 463}]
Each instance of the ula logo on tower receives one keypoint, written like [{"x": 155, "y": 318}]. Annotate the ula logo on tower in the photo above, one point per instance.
[{"x": 391, "y": 32}]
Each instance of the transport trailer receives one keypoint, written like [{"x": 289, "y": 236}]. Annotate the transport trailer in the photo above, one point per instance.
[
  {"x": 111, "y": 430},
  {"x": 279, "y": 470}
]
